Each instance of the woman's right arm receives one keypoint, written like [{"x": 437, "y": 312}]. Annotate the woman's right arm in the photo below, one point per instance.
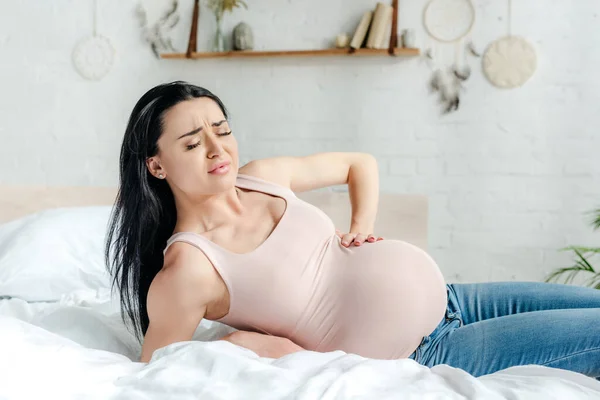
[
  {"x": 177, "y": 298},
  {"x": 177, "y": 302}
]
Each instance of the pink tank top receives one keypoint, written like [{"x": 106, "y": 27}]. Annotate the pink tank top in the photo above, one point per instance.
[{"x": 377, "y": 300}]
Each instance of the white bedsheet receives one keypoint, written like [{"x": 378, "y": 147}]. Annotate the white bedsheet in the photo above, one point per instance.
[{"x": 78, "y": 349}]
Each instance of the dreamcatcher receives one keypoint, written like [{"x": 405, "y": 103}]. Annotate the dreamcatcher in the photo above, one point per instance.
[{"x": 449, "y": 23}]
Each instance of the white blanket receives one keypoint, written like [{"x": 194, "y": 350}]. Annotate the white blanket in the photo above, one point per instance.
[{"x": 79, "y": 348}]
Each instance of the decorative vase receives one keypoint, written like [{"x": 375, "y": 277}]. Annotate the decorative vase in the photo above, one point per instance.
[
  {"x": 219, "y": 41},
  {"x": 408, "y": 38},
  {"x": 342, "y": 40}
]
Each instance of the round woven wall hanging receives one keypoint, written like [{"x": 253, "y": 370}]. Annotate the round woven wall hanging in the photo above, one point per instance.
[
  {"x": 510, "y": 61},
  {"x": 93, "y": 56}
]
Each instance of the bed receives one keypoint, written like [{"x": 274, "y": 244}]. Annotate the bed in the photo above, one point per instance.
[{"x": 61, "y": 336}]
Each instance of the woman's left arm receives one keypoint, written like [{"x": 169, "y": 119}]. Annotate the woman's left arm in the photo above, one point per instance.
[
  {"x": 363, "y": 189},
  {"x": 358, "y": 170}
]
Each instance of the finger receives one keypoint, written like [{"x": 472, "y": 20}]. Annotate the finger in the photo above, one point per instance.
[
  {"x": 347, "y": 239},
  {"x": 359, "y": 239},
  {"x": 380, "y": 238},
  {"x": 338, "y": 233},
  {"x": 371, "y": 238}
]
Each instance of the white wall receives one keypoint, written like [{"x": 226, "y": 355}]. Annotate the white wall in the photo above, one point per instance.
[{"x": 508, "y": 176}]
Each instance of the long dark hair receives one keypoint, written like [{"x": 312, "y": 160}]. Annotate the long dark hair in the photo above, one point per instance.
[{"x": 144, "y": 215}]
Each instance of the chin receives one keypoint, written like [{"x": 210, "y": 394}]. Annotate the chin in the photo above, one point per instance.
[{"x": 225, "y": 180}]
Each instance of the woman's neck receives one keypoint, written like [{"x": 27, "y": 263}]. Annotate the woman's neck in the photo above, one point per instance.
[{"x": 209, "y": 212}]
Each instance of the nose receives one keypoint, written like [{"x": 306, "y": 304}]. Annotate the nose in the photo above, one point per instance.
[{"x": 214, "y": 148}]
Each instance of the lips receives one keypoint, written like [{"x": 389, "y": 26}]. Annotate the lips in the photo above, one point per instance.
[{"x": 219, "y": 165}]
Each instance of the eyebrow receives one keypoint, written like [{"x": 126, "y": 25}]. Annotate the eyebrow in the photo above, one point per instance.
[{"x": 219, "y": 123}]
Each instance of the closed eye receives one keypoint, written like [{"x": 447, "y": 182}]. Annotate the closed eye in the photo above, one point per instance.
[{"x": 194, "y": 145}]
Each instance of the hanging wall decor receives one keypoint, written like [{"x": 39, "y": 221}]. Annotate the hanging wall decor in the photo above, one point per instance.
[
  {"x": 93, "y": 56},
  {"x": 449, "y": 23},
  {"x": 510, "y": 61},
  {"x": 155, "y": 34},
  {"x": 449, "y": 20}
]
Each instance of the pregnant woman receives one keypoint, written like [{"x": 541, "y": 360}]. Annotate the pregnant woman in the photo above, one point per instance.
[{"x": 194, "y": 235}]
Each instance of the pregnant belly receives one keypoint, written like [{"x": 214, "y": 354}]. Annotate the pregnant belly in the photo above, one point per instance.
[{"x": 393, "y": 295}]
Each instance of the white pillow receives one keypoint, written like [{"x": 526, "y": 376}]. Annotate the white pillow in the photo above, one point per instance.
[{"x": 54, "y": 252}]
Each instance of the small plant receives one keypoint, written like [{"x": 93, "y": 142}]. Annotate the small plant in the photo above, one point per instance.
[
  {"x": 219, "y": 7},
  {"x": 583, "y": 255}
]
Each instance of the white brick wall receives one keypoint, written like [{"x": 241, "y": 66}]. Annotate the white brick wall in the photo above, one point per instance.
[{"x": 508, "y": 176}]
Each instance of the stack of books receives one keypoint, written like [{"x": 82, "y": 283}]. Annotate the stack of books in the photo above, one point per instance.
[{"x": 374, "y": 29}]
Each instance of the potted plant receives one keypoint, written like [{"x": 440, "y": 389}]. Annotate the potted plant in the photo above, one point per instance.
[
  {"x": 583, "y": 264},
  {"x": 219, "y": 7}
]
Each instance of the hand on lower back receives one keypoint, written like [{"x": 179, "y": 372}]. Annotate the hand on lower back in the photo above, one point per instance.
[{"x": 263, "y": 345}]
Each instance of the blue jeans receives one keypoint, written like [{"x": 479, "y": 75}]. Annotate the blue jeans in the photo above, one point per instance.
[{"x": 493, "y": 326}]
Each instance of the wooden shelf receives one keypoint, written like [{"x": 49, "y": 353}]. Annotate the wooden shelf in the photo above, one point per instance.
[
  {"x": 391, "y": 50},
  {"x": 296, "y": 53}
]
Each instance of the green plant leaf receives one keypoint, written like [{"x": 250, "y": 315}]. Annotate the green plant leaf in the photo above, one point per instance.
[
  {"x": 596, "y": 220},
  {"x": 570, "y": 273},
  {"x": 583, "y": 261},
  {"x": 582, "y": 264},
  {"x": 594, "y": 281},
  {"x": 581, "y": 249}
]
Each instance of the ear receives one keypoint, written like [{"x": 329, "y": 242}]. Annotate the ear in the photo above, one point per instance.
[{"x": 154, "y": 166}]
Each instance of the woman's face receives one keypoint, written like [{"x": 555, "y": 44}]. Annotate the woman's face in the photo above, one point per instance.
[{"x": 196, "y": 140}]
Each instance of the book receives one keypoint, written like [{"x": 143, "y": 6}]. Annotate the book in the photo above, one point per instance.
[
  {"x": 387, "y": 32},
  {"x": 361, "y": 31},
  {"x": 381, "y": 17}
]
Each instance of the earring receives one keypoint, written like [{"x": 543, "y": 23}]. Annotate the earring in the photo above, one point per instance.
[{"x": 161, "y": 176}]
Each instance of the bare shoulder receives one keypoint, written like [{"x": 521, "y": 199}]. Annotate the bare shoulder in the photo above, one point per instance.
[
  {"x": 275, "y": 169},
  {"x": 177, "y": 298},
  {"x": 314, "y": 171},
  {"x": 187, "y": 280}
]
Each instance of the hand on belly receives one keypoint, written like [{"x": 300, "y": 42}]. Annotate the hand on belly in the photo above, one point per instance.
[{"x": 356, "y": 239}]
